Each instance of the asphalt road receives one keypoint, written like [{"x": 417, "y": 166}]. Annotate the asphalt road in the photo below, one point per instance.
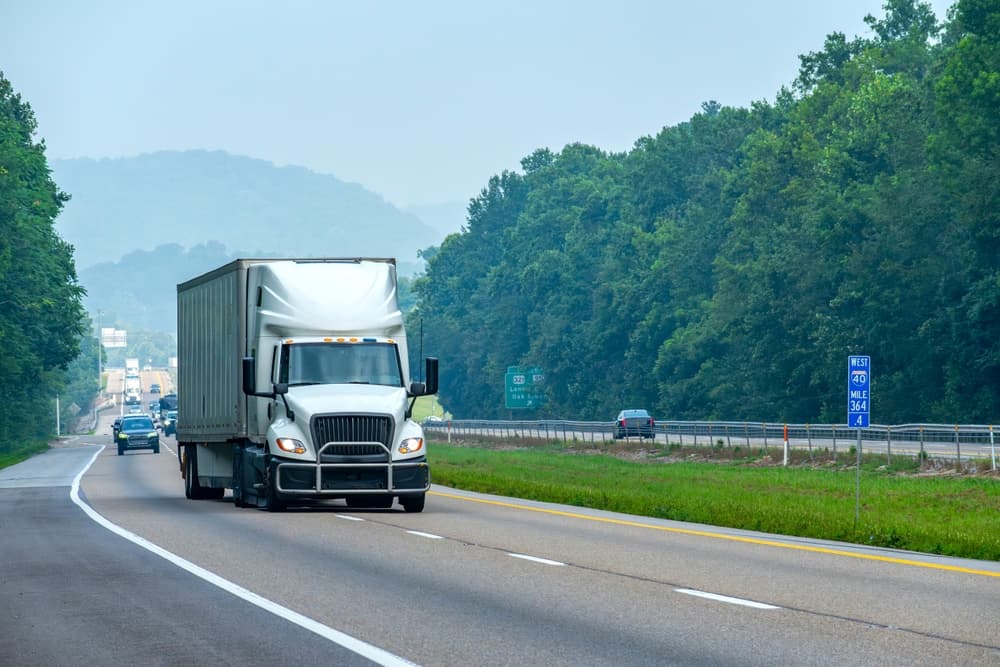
[{"x": 473, "y": 580}]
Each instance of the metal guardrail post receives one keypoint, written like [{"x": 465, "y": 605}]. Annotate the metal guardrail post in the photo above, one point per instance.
[
  {"x": 729, "y": 442},
  {"x": 746, "y": 431},
  {"x": 833, "y": 429},
  {"x": 922, "y": 446},
  {"x": 810, "y": 441},
  {"x": 888, "y": 445},
  {"x": 764, "y": 427}
]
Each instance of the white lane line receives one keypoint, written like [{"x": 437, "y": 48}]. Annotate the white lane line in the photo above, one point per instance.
[
  {"x": 348, "y": 517},
  {"x": 373, "y": 653},
  {"x": 536, "y": 559},
  {"x": 427, "y": 535},
  {"x": 725, "y": 598}
]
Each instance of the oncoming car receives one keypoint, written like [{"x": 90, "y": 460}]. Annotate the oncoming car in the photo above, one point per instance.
[
  {"x": 137, "y": 433},
  {"x": 634, "y": 422}
]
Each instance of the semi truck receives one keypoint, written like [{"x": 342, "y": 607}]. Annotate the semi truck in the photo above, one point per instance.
[
  {"x": 131, "y": 368},
  {"x": 294, "y": 385},
  {"x": 133, "y": 390}
]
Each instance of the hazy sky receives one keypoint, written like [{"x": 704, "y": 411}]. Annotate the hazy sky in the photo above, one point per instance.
[{"x": 418, "y": 101}]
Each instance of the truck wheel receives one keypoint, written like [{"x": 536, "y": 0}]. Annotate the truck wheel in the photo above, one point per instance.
[
  {"x": 412, "y": 503},
  {"x": 274, "y": 503},
  {"x": 238, "y": 499},
  {"x": 192, "y": 489}
]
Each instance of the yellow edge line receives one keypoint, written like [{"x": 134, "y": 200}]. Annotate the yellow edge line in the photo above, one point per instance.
[{"x": 720, "y": 536}]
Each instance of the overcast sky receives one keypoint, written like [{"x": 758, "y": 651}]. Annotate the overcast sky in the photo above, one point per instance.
[{"x": 418, "y": 101}]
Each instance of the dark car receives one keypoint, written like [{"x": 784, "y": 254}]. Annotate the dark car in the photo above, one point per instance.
[
  {"x": 137, "y": 433},
  {"x": 114, "y": 429},
  {"x": 634, "y": 422},
  {"x": 168, "y": 422},
  {"x": 154, "y": 388}
]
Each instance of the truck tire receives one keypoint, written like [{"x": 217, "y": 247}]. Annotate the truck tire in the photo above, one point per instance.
[
  {"x": 192, "y": 488},
  {"x": 412, "y": 503},
  {"x": 274, "y": 503}
]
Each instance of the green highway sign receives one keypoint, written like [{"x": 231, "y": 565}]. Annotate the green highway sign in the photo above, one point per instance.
[{"x": 524, "y": 387}]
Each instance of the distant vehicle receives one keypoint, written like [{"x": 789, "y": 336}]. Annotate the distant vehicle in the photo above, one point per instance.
[
  {"x": 137, "y": 433},
  {"x": 154, "y": 408},
  {"x": 433, "y": 418},
  {"x": 634, "y": 422},
  {"x": 168, "y": 402},
  {"x": 131, "y": 368},
  {"x": 135, "y": 409},
  {"x": 147, "y": 368},
  {"x": 154, "y": 388},
  {"x": 114, "y": 429},
  {"x": 168, "y": 422}
]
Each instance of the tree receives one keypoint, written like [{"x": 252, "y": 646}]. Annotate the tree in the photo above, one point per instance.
[{"x": 41, "y": 317}]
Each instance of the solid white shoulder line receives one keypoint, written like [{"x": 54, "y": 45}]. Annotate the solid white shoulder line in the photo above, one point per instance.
[
  {"x": 362, "y": 648},
  {"x": 725, "y": 598}
]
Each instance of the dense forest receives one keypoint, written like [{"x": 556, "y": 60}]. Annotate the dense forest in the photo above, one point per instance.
[
  {"x": 41, "y": 316},
  {"x": 726, "y": 268}
]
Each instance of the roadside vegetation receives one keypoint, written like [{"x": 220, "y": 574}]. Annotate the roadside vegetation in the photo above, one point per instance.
[
  {"x": 903, "y": 505},
  {"x": 10, "y": 456}
]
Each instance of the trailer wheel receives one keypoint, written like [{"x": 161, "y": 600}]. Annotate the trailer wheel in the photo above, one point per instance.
[
  {"x": 412, "y": 503},
  {"x": 192, "y": 488}
]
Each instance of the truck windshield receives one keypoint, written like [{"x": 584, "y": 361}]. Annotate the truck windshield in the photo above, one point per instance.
[{"x": 340, "y": 363}]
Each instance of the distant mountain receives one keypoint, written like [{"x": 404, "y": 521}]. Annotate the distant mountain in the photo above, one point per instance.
[
  {"x": 140, "y": 290},
  {"x": 249, "y": 205}
]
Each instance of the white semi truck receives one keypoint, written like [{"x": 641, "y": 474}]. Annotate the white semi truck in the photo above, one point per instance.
[{"x": 294, "y": 385}]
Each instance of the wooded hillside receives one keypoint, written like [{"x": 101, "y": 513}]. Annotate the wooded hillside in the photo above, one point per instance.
[{"x": 727, "y": 267}]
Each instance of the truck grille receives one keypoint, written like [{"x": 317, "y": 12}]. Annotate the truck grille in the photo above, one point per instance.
[{"x": 355, "y": 436}]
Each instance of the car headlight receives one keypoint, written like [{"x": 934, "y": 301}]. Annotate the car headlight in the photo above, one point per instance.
[
  {"x": 122, "y": 436},
  {"x": 290, "y": 445},
  {"x": 153, "y": 435},
  {"x": 411, "y": 445}
]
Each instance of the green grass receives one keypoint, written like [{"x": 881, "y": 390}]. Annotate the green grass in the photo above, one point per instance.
[
  {"x": 955, "y": 516},
  {"x": 10, "y": 456},
  {"x": 427, "y": 406}
]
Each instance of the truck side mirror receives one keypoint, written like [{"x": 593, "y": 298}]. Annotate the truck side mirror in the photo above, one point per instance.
[
  {"x": 249, "y": 375},
  {"x": 431, "y": 375},
  {"x": 280, "y": 388}
]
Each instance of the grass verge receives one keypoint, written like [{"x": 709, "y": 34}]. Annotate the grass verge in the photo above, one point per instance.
[
  {"x": 9, "y": 457},
  {"x": 953, "y": 515}
]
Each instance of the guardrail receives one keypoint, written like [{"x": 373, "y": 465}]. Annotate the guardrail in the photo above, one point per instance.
[{"x": 956, "y": 442}]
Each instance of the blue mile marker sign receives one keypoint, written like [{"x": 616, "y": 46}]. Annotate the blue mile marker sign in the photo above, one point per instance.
[{"x": 859, "y": 403}]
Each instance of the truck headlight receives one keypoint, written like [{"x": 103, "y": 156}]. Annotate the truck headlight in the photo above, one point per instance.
[
  {"x": 290, "y": 445},
  {"x": 411, "y": 445}
]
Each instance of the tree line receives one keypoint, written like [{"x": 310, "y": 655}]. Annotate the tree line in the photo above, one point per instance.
[
  {"x": 726, "y": 267},
  {"x": 41, "y": 316}
]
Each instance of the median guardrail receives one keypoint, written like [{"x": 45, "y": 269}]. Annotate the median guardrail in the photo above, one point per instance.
[{"x": 958, "y": 442}]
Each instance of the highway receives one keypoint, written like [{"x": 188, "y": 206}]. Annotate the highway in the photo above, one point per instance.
[{"x": 473, "y": 580}]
